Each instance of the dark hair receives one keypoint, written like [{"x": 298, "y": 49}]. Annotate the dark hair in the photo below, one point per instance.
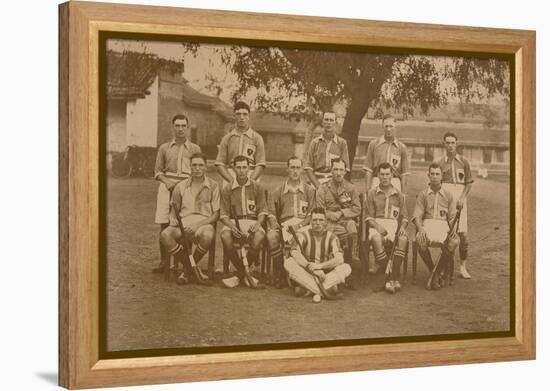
[
  {"x": 240, "y": 158},
  {"x": 180, "y": 116},
  {"x": 319, "y": 210},
  {"x": 241, "y": 105},
  {"x": 387, "y": 116},
  {"x": 294, "y": 158},
  {"x": 384, "y": 166},
  {"x": 198, "y": 155},
  {"x": 450, "y": 134},
  {"x": 337, "y": 160},
  {"x": 434, "y": 165}
]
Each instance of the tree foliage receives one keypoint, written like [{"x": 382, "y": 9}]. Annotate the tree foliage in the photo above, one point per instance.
[{"x": 302, "y": 83}]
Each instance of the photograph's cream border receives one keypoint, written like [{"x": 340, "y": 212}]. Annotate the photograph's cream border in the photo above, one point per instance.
[{"x": 80, "y": 22}]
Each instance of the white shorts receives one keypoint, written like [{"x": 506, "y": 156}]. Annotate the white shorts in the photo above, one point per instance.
[
  {"x": 245, "y": 225},
  {"x": 436, "y": 230},
  {"x": 389, "y": 225},
  {"x": 195, "y": 218},
  {"x": 396, "y": 182},
  {"x": 323, "y": 177},
  {"x": 287, "y": 236},
  {"x": 456, "y": 191},
  {"x": 162, "y": 214}
]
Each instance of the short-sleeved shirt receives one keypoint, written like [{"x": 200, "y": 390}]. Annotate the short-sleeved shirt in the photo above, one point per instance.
[
  {"x": 455, "y": 170},
  {"x": 317, "y": 250},
  {"x": 321, "y": 153},
  {"x": 382, "y": 206},
  {"x": 249, "y": 143},
  {"x": 248, "y": 200},
  {"x": 205, "y": 202},
  {"x": 297, "y": 202},
  {"x": 381, "y": 151},
  {"x": 437, "y": 205},
  {"x": 344, "y": 197},
  {"x": 174, "y": 160}
]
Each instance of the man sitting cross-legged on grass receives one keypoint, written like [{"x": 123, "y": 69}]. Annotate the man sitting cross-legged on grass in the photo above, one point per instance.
[
  {"x": 320, "y": 267},
  {"x": 291, "y": 205},
  {"x": 197, "y": 201}
]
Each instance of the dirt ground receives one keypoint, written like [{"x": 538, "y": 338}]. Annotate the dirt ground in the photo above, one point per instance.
[{"x": 145, "y": 312}]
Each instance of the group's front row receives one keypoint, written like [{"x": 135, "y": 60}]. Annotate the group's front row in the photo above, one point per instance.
[{"x": 314, "y": 237}]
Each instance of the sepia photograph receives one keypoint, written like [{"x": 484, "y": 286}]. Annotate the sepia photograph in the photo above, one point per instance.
[{"x": 261, "y": 195}]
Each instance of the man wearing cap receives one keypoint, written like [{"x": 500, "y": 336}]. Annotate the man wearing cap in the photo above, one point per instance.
[
  {"x": 241, "y": 140},
  {"x": 340, "y": 199},
  {"x": 291, "y": 204},
  {"x": 387, "y": 216},
  {"x": 457, "y": 178},
  {"x": 172, "y": 166},
  {"x": 434, "y": 213},
  {"x": 197, "y": 200},
  {"x": 323, "y": 150},
  {"x": 321, "y": 262},
  {"x": 246, "y": 198},
  {"x": 389, "y": 149}
]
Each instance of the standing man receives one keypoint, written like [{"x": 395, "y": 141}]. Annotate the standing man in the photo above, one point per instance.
[
  {"x": 387, "y": 149},
  {"x": 241, "y": 140},
  {"x": 291, "y": 204},
  {"x": 340, "y": 199},
  {"x": 323, "y": 150},
  {"x": 172, "y": 166},
  {"x": 197, "y": 201},
  {"x": 247, "y": 198},
  {"x": 433, "y": 215},
  {"x": 457, "y": 178},
  {"x": 387, "y": 220},
  {"x": 322, "y": 261}
]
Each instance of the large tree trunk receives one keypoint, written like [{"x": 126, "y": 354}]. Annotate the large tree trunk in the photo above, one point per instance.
[{"x": 352, "y": 123}]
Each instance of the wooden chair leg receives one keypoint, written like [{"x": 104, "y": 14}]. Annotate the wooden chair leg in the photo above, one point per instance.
[
  {"x": 414, "y": 260},
  {"x": 406, "y": 263}
]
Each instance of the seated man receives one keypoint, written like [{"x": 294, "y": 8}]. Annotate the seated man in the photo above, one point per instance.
[
  {"x": 244, "y": 199},
  {"x": 340, "y": 199},
  {"x": 290, "y": 204},
  {"x": 434, "y": 213},
  {"x": 387, "y": 216},
  {"x": 197, "y": 201},
  {"x": 317, "y": 262}
]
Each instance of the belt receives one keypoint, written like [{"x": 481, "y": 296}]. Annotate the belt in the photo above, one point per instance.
[
  {"x": 174, "y": 175},
  {"x": 246, "y": 217}
]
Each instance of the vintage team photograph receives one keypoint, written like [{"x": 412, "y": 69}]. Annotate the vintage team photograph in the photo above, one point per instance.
[{"x": 264, "y": 195}]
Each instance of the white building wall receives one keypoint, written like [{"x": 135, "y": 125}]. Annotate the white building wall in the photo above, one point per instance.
[{"x": 142, "y": 118}]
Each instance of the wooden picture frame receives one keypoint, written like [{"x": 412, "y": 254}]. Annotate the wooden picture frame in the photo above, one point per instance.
[{"x": 80, "y": 25}]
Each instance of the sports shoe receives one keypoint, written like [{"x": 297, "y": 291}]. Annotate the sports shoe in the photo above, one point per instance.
[
  {"x": 463, "y": 272},
  {"x": 182, "y": 279},
  {"x": 231, "y": 282},
  {"x": 300, "y": 291},
  {"x": 397, "y": 285},
  {"x": 390, "y": 287},
  {"x": 247, "y": 283}
]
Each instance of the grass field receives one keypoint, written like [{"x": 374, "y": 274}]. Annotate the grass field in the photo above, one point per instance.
[{"x": 145, "y": 312}]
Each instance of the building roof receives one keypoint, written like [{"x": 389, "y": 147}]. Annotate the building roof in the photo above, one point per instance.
[
  {"x": 432, "y": 133},
  {"x": 130, "y": 74}
]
